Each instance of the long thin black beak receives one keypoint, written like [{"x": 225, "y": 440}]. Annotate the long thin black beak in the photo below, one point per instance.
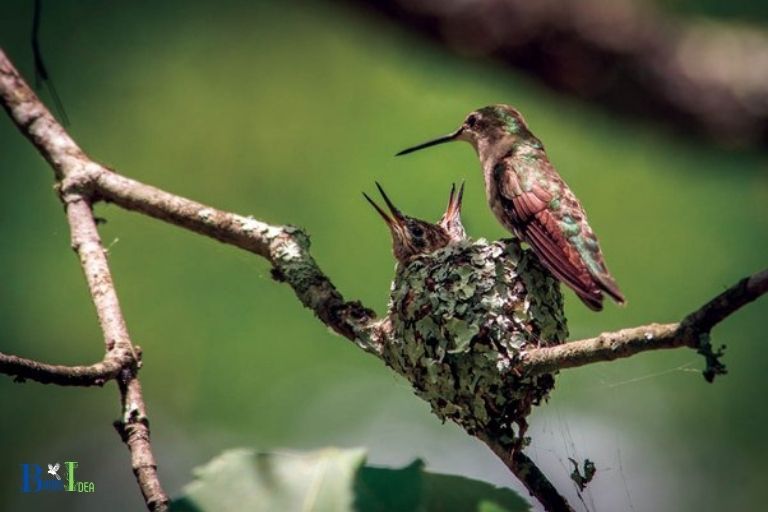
[
  {"x": 461, "y": 196},
  {"x": 396, "y": 219},
  {"x": 440, "y": 140},
  {"x": 384, "y": 216},
  {"x": 396, "y": 215},
  {"x": 454, "y": 202}
]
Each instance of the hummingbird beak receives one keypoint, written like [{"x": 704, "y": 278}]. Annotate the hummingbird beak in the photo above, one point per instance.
[
  {"x": 451, "y": 196},
  {"x": 393, "y": 222},
  {"x": 454, "y": 202},
  {"x": 397, "y": 217},
  {"x": 384, "y": 216},
  {"x": 440, "y": 140}
]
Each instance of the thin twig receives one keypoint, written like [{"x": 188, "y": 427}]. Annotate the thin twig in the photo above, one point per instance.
[{"x": 92, "y": 375}]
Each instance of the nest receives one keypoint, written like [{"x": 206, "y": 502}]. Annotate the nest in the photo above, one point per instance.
[{"x": 461, "y": 317}]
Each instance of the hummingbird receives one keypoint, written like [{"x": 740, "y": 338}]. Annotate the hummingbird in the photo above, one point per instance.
[
  {"x": 412, "y": 237},
  {"x": 451, "y": 219},
  {"x": 531, "y": 200}
]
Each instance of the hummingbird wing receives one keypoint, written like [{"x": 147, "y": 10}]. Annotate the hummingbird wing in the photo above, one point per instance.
[{"x": 546, "y": 214}]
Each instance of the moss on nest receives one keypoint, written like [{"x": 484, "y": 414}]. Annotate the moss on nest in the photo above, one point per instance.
[{"x": 461, "y": 317}]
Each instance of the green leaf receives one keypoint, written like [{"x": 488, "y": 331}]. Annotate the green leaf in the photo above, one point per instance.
[
  {"x": 244, "y": 479},
  {"x": 385, "y": 490},
  {"x": 333, "y": 480},
  {"x": 455, "y": 493}
]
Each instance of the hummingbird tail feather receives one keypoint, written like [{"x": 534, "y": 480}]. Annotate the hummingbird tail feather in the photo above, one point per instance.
[
  {"x": 591, "y": 301},
  {"x": 555, "y": 258},
  {"x": 609, "y": 286}
]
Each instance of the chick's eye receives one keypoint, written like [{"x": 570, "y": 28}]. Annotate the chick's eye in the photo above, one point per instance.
[
  {"x": 417, "y": 231},
  {"x": 471, "y": 120}
]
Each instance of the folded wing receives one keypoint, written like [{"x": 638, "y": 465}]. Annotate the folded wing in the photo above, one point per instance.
[{"x": 564, "y": 244}]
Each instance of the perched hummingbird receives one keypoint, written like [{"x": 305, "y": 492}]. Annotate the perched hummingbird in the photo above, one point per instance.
[
  {"x": 412, "y": 237},
  {"x": 531, "y": 200}
]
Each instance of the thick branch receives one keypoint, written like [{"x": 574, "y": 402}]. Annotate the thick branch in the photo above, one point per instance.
[
  {"x": 36, "y": 122},
  {"x": 692, "y": 332},
  {"x": 286, "y": 247}
]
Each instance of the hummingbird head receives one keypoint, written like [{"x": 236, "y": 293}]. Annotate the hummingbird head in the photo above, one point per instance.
[
  {"x": 489, "y": 129},
  {"x": 451, "y": 219},
  {"x": 410, "y": 236}
]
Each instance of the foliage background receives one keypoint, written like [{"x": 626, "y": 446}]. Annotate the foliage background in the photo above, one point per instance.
[{"x": 287, "y": 112}]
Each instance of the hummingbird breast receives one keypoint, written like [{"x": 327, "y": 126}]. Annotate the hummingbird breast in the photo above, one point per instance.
[{"x": 495, "y": 200}]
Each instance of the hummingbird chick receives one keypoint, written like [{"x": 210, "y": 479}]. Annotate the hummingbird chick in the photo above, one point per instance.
[
  {"x": 531, "y": 200},
  {"x": 413, "y": 237},
  {"x": 451, "y": 219}
]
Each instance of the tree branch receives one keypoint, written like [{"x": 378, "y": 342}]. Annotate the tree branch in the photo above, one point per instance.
[
  {"x": 693, "y": 331},
  {"x": 93, "y": 375},
  {"x": 285, "y": 247},
  {"x": 721, "y": 307},
  {"x": 133, "y": 428},
  {"x": 72, "y": 170},
  {"x": 529, "y": 474}
]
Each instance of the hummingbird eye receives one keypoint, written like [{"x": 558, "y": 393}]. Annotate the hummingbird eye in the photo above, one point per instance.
[
  {"x": 417, "y": 231},
  {"x": 471, "y": 121}
]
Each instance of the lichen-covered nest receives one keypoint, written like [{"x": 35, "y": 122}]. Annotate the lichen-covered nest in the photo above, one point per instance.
[{"x": 461, "y": 317}]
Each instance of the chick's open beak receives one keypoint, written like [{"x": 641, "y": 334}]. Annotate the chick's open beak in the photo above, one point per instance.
[{"x": 396, "y": 221}]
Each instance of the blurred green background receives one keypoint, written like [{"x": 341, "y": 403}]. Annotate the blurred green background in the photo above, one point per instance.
[{"x": 287, "y": 112}]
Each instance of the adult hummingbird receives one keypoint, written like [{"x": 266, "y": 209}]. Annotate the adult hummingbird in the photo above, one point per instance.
[
  {"x": 530, "y": 199},
  {"x": 412, "y": 237}
]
